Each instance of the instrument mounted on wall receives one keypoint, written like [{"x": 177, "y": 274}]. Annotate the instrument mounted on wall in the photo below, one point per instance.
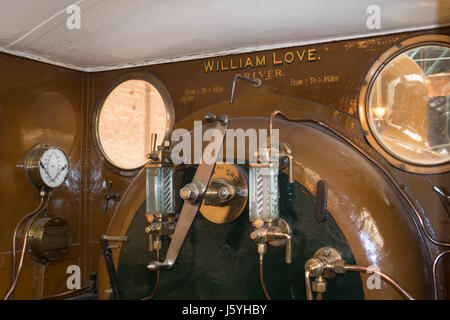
[
  {"x": 46, "y": 167},
  {"x": 49, "y": 237}
]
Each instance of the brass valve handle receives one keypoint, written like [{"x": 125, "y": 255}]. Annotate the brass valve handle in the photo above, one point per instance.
[
  {"x": 326, "y": 263},
  {"x": 288, "y": 238},
  {"x": 273, "y": 235},
  {"x": 190, "y": 207}
]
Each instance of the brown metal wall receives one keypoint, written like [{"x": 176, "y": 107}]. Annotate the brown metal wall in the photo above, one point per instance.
[
  {"x": 193, "y": 89},
  {"x": 39, "y": 103},
  {"x": 43, "y": 103}
]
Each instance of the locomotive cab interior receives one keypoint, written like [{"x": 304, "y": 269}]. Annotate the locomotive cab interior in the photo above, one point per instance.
[{"x": 208, "y": 150}]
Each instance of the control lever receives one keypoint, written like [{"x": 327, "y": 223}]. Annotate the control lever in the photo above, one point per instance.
[
  {"x": 110, "y": 196},
  {"x": 106, "y": 251},
  {"x": 192, "y": 195}
]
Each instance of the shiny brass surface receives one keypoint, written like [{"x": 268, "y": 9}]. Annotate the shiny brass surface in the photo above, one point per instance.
[
  {"x": 219, "y": 207},
  {"x": 327, "y": 263},
  {"x": 160, "y": 225},
  {"x": 370, "y": 77},
  {"x": 159, "y": 155},
  {"x": 275, "y": 232},
  {"x": 31, "y": 165},
  {"x": 49, "y": 238},
  {"x": 328, "y": 257}
]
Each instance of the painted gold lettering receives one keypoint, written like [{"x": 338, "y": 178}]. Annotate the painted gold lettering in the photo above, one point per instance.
[
  {"x": 222, "y": 67},
  {"x": 232, "y": 67},
  {"x": 311, "y": 53},
  {"x": 289, "y": 57},
  {"x": 300, "y": 57},
  {"x": 274, "y": 59},
  {"x": 260, "y": 62},
  {"x": 208, "y": 66},
  {"x": 248, "y": 63}
]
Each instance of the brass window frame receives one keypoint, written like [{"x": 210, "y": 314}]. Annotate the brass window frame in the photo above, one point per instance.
[
  {"x": 363, "y": 102},
  {"x": 95, "y": 136}
]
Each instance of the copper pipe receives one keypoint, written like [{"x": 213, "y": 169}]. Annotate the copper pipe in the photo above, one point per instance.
[
  {"x": 16, "y": 229},
  {"x": 434, "y": 272},
  {"x": 155, "y": 288},
  {"x": 67, "y": 293},
  {"x": 10, "y": 293},
  {"x": 288, "y": 238},
  {"x": 32, "y": 217},
  {"x": 261, "y": 278},
  {"x": 309, "y": 294},
  {"x": 387, "y": 175},
  {"x": 391, "y": 281}
]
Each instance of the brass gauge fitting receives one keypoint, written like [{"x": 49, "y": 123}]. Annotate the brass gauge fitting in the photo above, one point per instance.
[
  {"x": 326, "y": 263},
  {"x": 226, "y": 196},
  {"x": 46, "y": 166},
  {"x": 48, "y": 239}
]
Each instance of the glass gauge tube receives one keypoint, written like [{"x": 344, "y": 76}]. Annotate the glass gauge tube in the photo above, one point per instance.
[
  {"x": 159, "y": 189},
  {"x": 263, "y": 192}
]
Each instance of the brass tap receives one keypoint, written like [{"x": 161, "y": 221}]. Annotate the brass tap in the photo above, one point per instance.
[
  {"x": 275, "y": 233},
  {"x": 160, "y": 225},
  {"x": 326, "y": 263}
]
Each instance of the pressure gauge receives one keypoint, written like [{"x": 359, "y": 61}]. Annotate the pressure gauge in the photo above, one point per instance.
[{"x": 46, "y": 166}]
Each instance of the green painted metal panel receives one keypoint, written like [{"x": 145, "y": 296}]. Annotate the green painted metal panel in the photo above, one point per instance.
[{"x": 221, "y": 262}]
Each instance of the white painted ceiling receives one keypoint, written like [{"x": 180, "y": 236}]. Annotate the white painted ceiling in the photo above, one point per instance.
[{"x": 122, "y": 33}]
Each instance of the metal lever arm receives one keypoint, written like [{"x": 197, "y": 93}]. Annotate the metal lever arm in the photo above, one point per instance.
[
  {"x": 112, "y": 273},
  {"x": 190, "y": 208}
]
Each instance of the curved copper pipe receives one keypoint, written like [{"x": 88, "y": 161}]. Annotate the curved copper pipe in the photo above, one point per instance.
[
  {"x": 32, "y": 216},
  {"x": 155, "y": 288},
  {"x": 309, "y": 294},
  {"x": 16, "y": 229},
  {"x": 368, "y": 157},
  {"x": 288, "y": 243},
  {"x": 434, "y": 272},
  {"x": 67, "y": 293},
  {"x": 261, "y": 279},
  {"x": 391, "y": 281}
]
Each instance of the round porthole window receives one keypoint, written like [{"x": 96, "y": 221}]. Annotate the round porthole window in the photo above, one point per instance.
[
  {"x": 405, "y": 106},
  {"x": 132, "y": 111}
]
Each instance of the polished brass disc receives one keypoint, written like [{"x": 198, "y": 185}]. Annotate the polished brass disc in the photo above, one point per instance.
[
  {"x": 231, "y": 210},
  {"x": 48, "y": 239}
]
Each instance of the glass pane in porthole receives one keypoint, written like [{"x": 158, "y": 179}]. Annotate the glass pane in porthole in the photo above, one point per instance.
[
  {"x": 409, "y": 106},
  {"x": 131, "y": 113}
]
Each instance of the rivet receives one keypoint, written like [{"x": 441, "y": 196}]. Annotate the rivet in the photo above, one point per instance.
[{"x": 225, "y": 250}]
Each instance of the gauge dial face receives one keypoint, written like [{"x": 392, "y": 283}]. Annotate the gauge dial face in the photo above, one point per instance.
[{"x": 54, "y": 167}]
